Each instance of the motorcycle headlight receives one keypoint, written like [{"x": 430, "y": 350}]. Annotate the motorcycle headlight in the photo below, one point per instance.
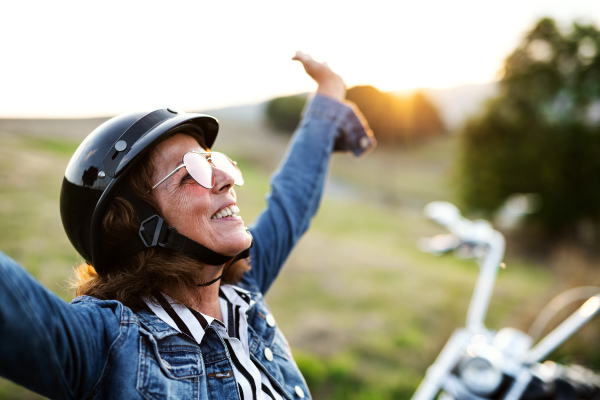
[{"x": 480, "y": 376}]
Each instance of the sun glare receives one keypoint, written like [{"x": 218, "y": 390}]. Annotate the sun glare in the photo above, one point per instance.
[{"x": 241, "y": 54}]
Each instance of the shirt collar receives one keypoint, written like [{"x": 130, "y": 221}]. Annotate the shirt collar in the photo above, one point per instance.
[
  {"x": 236, "y": 296},
  {"x": 191, "y": 322}
]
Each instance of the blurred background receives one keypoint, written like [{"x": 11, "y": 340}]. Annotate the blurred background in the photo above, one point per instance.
[{"x": 494, "y": 107}]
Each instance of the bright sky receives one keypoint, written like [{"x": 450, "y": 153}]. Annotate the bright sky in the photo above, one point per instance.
[{"x": 84, "y": 58}]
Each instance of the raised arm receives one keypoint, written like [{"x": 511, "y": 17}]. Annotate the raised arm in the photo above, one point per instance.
[
  {"x": 297, "y": 186},
  {"x": 47, "y": 345}
]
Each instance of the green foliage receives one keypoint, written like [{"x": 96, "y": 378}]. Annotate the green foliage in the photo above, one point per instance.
[
  {"x": 397, "y": 120},
  {"x": 284, "y": 112},
  {"x": 343, "y": 378},
  {"x": 393, "y": 119},
  {"x": 542, "y": 133}
]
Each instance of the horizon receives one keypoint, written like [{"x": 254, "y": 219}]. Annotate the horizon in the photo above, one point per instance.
[
  {"x": 70, "y": 59},
  {"x": 402, "y": 92}
]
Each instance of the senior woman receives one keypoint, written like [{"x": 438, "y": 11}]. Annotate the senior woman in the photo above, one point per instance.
[{"x": 171, "y": 295}]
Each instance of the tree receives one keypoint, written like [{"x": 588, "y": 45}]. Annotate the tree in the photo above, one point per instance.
[
  {"x": 542, "y": 133},
  {"x": 393, "y": 119},
  {"x": 284, "y": 112},
  {"x": 397, "y": 120}
]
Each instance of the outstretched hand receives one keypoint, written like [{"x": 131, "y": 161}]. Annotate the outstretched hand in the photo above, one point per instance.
[{"x": 329, "y": 83}]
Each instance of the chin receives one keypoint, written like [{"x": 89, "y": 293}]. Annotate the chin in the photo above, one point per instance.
[
  {"x": 247, "y": 242},
  {"x": 237, "y": 244}
]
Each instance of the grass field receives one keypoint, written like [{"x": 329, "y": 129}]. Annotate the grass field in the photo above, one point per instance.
[{"x": 364, "y": 311}]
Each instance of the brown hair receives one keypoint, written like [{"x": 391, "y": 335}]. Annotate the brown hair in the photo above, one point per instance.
[{"x": 153, "y": 269}]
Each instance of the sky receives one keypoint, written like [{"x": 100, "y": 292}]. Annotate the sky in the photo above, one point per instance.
[{"x": 84, "y": 58}]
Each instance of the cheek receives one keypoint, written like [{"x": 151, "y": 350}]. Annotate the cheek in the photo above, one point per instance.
[{"x": 189, "y": 206}]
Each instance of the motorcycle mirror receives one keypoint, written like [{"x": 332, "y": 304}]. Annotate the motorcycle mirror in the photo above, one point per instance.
[{"x": 443, "y": 213}]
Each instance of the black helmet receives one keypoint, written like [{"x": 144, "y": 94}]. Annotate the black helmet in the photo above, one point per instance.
[{"x": 95, "y": 170}]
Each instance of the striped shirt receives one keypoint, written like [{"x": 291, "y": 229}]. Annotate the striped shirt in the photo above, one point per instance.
[{"x": 252, "y": 382}]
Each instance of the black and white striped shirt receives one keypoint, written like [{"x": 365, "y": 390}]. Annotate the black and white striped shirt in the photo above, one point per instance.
[{"x": 235, "y": 302}]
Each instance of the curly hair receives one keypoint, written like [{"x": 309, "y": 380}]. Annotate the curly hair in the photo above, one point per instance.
[{"x": 151, "y": 270}]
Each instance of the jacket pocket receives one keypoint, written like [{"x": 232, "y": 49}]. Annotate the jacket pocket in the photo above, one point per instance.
[{"x": 171, "y": 371}]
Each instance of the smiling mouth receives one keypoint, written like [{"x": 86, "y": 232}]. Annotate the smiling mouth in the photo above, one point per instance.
[{"x": 229, "y": 211}]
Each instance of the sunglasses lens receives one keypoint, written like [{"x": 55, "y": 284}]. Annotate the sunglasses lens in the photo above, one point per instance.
[
  {"x": 224, "y": 163},
  {"x": 199, "y": 168}
]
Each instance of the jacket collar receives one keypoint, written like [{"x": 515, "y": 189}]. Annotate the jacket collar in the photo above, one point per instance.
[
  {"x": 156, "y": 326},
  {"x": 160, "y": 329}
]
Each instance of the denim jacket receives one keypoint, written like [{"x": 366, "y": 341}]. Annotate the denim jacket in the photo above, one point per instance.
[{"x": 95, "y": 348}]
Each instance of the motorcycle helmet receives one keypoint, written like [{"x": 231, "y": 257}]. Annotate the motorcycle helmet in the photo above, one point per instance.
[{"x": 95, "y": 175}]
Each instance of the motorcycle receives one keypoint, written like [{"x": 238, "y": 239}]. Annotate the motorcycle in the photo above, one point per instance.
[{"x": 478, "y": 363}]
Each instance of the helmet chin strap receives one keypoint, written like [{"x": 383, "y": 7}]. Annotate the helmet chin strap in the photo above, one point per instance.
[
  {"x": 154, "y": 232},
  {"x": 243, "y": 254}
]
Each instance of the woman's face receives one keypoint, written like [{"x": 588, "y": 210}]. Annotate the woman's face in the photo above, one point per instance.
[{"x": 189, "y": 207}]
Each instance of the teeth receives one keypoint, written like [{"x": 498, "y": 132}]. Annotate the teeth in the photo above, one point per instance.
[{"x": 226, "y": 212}]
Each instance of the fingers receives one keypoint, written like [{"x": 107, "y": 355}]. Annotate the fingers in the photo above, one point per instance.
[
  {"x": 307, "y": 61},
  {"x": 302, "y": 57},
  {"x": 312, "y": 67},
  {"x": 329, "y": 83}
]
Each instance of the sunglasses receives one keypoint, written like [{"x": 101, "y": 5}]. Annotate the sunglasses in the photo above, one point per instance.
[{"x": 200, "y": 167}]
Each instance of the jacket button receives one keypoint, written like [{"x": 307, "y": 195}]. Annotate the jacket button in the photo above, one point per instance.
[
  {"x": 268, "y": 354},
  {"x": 299, "y": 392},
  {"x": 364, "y": 142},
  {"x": 271, "y": 320}
]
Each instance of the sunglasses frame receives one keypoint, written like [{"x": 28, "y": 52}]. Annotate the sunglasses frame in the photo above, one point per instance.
[{"x": 210, "y": 164}]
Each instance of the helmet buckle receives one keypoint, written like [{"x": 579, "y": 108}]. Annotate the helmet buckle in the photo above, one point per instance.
[{"x": 152, "y": 227}]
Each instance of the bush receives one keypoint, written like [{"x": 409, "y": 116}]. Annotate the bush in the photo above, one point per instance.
[
  {"x": 397, "y": 120},
  {"x": 542, "y": 133},
  {"x": 394, "y": 120},
  {"x": 284, "y": 112}
]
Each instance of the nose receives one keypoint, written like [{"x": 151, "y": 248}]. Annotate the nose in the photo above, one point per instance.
[{"x": 223, "y": 181}]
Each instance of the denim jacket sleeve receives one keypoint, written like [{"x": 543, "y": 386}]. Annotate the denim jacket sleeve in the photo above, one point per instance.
[
  {"x": 45, "y": 344},
  {"x": 297, "y": 186}
]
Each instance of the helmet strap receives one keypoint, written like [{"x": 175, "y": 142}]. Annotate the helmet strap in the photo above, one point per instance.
[
  {"x": 154, "y": 232},
  {"x": 243, "y": 254}
]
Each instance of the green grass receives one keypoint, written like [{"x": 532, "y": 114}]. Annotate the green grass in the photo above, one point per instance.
[
  {"x": 51, "y": 146},
  {"x": 364, "y": 311},
  {"x": 370, "y": 296}
]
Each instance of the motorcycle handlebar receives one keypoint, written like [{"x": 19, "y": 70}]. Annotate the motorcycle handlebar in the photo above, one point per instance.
[{"x": 477, "y": 232}]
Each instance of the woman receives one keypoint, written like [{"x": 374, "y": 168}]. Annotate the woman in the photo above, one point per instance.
[{"x": 154, "y": 214}]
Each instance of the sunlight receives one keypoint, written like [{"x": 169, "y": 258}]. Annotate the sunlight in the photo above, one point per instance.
[{"x": 206, "y": 55}]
